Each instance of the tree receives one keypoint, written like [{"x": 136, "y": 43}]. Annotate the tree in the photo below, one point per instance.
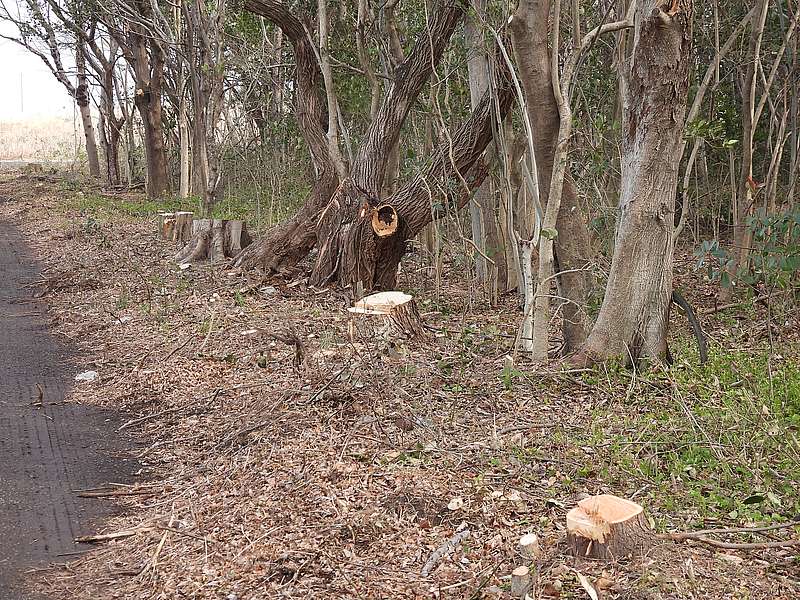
[
  {"x": 39, "y": 34},
  {"x": 633, "y": 317},
  {"x": 135, "y": 26},
  {"x": 339, "y": 212}
]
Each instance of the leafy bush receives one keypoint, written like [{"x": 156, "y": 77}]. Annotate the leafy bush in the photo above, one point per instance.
[{"x": 774, "y": 259}]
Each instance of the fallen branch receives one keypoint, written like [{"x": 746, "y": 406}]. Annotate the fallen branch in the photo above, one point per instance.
[
  {"x": 702, "y": 536},
  {"x": 443, "y": 550},
  {"x": 106, "y": 537}
]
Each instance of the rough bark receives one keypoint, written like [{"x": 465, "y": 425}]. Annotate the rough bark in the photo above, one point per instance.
[
  {"x": 448, "y": 182},
  {"x": 633, "y": 318},
  {"x": 343, "y": 224},
  {"x": 146, "y": 57},
  {"x": 529, "y": 29},
  {"x": 286, "y": 244}
]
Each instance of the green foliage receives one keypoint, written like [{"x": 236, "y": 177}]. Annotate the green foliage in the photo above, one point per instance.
[{"x": 775, "y": 257}]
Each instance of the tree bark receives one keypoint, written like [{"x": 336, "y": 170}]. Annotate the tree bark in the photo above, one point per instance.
[
  {"x": 633, "y": 318},
  {"x": 289, "y": 242},
  {"x": 83, "y": 101},
  {"x": 529, "y": 30},
  {"x": 146, "y": 57},
  {"x": 448, "y": 182},
  {"x": 482, "y": 207},
  {"x": 343, "y": 224}
]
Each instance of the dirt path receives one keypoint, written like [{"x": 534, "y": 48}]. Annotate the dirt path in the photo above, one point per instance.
[{"x": 48, "y": 449}]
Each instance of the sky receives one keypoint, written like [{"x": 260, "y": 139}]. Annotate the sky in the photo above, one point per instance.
[{"x": 28, "y": 90}]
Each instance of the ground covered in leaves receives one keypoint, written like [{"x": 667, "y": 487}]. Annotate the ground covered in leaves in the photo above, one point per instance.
[{"x": 282, "y": 459}]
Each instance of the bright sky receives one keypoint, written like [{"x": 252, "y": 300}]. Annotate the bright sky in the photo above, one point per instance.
[{"x": 29, "y": 90}]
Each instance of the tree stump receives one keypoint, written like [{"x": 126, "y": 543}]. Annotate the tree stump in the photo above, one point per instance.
[
  {"x": 183, "y": 226},
  {"x": 166, "y": 225},
  {"x": 214, "y": 239},
  {"x": 386, "y": 314},
  {"x": 520, "y": 582},
  {"x": 608, "y": 527}
]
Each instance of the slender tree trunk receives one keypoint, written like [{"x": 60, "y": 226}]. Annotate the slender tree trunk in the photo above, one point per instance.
[
  {"x": 482, "y": 207},
  {"x": 148, "y": 66},
  {"x": 529, "y": 30},
  {"x": 633, "y": 318},
  {"x": 83, "y": 100}
]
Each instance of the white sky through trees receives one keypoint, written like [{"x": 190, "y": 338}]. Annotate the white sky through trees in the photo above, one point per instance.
[{"x": 40, "y": 96}]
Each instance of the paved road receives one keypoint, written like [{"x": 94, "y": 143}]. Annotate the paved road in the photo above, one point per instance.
[{"x": 46, "y": 451}]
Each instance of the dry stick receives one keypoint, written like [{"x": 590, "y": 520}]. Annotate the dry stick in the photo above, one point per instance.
[
  {"x": 105, "y": 537},
  {"x": 443, "y": 551},
  {"x": 688, "y": 535}
]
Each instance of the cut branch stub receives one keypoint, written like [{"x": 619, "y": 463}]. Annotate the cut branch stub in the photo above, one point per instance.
[
  {"x": 386, "y": 314},
  {"x": 608, "y": 527},
  {"x": 384, "y": 220}
]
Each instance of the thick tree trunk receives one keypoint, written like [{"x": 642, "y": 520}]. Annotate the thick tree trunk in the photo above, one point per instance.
[
  {"x": 529, "y": 29},
  {"x": 633, "y": 318},
  {"x": 454, "y": 173},
  {"x": 286, "y": 244},
  {"x": 345, "y": 224}
]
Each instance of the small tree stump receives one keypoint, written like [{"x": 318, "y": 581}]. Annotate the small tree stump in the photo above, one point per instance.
[
  {"x": 608, "y": 527},
  {"x": 520, "y": 582},
  {"x": 529, "y": 546},
  {"x": 386, "y": 314},
  {"x": 166, "y": 225}
]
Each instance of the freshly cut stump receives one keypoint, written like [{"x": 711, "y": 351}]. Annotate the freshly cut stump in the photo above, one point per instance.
[
  {"x": 608, "y": 527},
  {"x": 386, "y": 314}
]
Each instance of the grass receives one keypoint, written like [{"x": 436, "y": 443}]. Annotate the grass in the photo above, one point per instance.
[{"x": 718, "y": 441}]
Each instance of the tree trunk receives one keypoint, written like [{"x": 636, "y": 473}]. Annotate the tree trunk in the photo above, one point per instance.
[
  {"x": 345, "y": 224},
  {"x": 633, "y": 318},
  {"x": 529, "y": 30},
  {"x": 453, "y": 174},
  {"x": 482, "y": 207},
  {"x": 82, "y": 99},
  {"x": 148, "y": 65},
  {"x": 289, "y": 242}
]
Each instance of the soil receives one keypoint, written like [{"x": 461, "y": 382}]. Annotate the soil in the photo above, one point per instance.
[
  {"x": 49, "y": 449},
  {"x": 293, "y": 459}
]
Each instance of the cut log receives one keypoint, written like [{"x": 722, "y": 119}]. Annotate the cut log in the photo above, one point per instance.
[
  {"x": 183, "y": 226},
  {"x": 166, "y": 225},
  {"x": 386, "y": 314},
  {"x": 520, "y": 582},
  {"x": 608, "y": 527},
  {"x": 214, "y": 239}
]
